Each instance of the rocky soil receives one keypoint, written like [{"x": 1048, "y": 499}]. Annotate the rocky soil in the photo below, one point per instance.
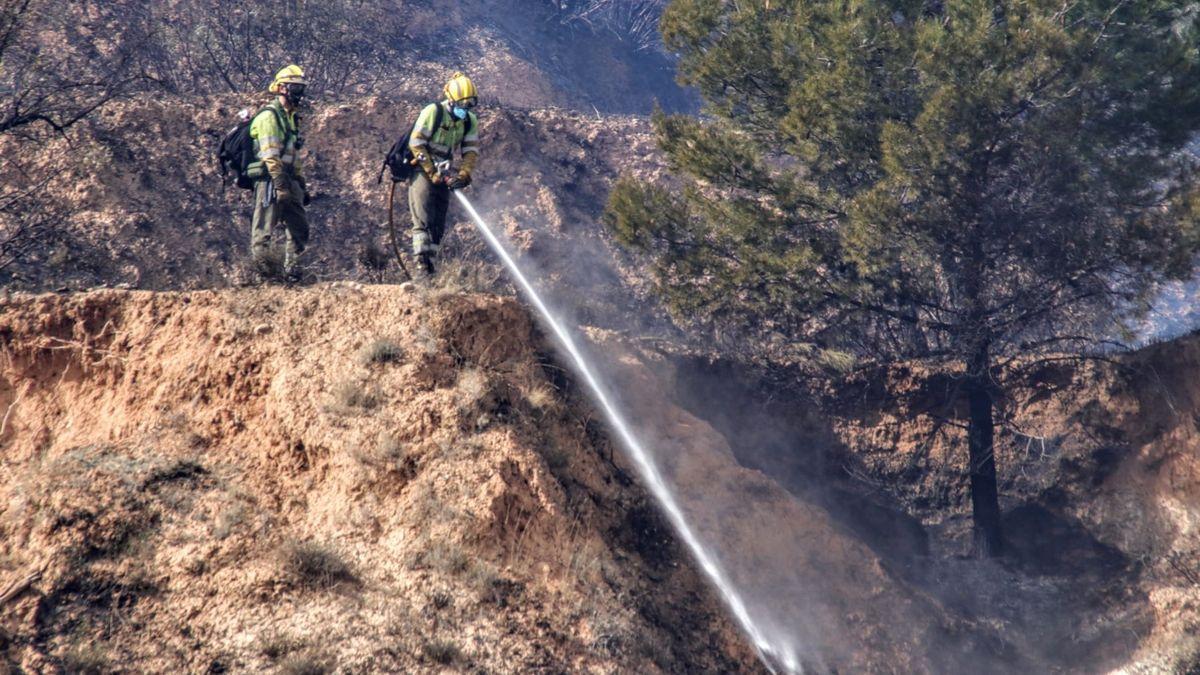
[
  {"x": 378, "y": 478},
  {"x": 1099, "y": 482},
  {"x": 361, "y": 478}
]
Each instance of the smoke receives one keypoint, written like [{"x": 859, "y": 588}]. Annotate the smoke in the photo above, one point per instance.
[
  {"x": 823, "y": 545},
  {"x": 774, "y": 651},
  {"x": 760, "y": 547}
]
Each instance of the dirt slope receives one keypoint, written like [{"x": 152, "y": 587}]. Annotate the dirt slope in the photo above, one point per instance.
[
  {"x": 244, "y": 478},
  {"x": 1100, "y": 485},
  {"x": 222, "y": 481}
]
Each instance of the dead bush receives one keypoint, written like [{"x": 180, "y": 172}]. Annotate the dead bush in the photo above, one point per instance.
[
  {"x": 381, "y": 351},
  {"x": 306, "y": 663},
  {"x": 374, "y": 260},
  {"x": 315, "y": 567},
  {"x": 350, "y": 397},
  {"x": 441, "y": 599},
  {"x": 277, "y": 645},
  {"x": 556, "y": 458},
  {"x": 444, "y": 652}
]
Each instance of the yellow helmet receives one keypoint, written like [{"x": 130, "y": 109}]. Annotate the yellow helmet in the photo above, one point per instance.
[
  {"x": 460, "y": 88},
  {"x": 293, "y": 74}
]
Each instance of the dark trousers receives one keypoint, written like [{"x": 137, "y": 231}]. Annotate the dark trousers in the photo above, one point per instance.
[
  {"x": 428, "y": 204},
  {"x": 269, "y": 215}
]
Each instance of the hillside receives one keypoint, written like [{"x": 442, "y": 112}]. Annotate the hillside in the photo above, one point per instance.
[
  {"x": 220, "y": 481},
  {"x": 543, "y": 179},
  {"x": 204, "y": 472},
  {"x": 389, "y": 478}
]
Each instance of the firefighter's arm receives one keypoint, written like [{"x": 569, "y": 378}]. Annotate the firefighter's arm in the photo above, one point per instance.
[
  {"x": 470, "y": 159},
  {"x": 470, "y": 149},
  {"x": 269, "y": 137},
  {"x": 418, "y": 142}
]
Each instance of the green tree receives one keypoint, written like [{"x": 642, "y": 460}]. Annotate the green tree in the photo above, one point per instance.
[{"x": 973, "y": 181}]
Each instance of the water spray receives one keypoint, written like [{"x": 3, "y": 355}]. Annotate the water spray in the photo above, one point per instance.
[{"x": 776, "y": 657}]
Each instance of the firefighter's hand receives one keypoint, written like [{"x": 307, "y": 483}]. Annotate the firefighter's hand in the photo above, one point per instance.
[
  {"x": 283, "y": 189},
  {"x": 307, "y": 198},
  {"x": 459, "y": 182}
]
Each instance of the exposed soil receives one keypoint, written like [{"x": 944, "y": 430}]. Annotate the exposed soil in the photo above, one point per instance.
[
  {"x": 1099, "y": 480},
  {"x": 224, "y": 480},
  {"x": 383, "y": 478}
]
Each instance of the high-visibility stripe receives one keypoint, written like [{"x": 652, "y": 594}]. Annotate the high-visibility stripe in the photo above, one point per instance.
[{"x": 422, "y": 244}]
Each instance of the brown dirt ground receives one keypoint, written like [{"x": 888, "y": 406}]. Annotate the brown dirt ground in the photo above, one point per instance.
[
  {"x": 385, "y": 478},
  {"x": 225, "y": 480}
]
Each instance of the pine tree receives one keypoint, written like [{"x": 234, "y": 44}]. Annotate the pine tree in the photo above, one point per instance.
[{"x": 976, "y": 182}]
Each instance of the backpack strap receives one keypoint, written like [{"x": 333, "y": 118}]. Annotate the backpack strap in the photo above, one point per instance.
[
  {"x": 437, "y": 123},
  {"x": 437, "y": 117},
  {"x": 287, "y": 131}
]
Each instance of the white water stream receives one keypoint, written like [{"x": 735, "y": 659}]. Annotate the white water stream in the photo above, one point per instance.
[{"x": 775, "y": 654}]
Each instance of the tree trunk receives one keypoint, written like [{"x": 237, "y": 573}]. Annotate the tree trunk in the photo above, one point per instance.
[{"x": 985, "y": 499}]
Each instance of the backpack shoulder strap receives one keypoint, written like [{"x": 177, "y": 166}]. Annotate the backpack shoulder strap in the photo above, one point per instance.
[{"x": 437, "y": 117}]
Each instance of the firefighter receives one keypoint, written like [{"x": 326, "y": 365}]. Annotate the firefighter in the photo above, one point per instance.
[
  {"x": 280, "y": 193},
  {"x": 441, "y": 128}
]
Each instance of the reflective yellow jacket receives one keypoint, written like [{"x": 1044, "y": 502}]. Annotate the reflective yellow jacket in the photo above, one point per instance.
[
  {"x": 274, "y": 145},
  {"x": 431, "y": 145}
]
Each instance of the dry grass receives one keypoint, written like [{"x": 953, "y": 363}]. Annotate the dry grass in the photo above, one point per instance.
[
  {"x": 427, "y": 341},
  {"x": 457, "y": 277},
  {"x": 306, "y": 663},
  {"x": 350, "y": 397},
  {"x": 482, "y": 575},
  {"x": 387, "y": 453},
  {"x": 277, "y": 645},
  {"x": 228, "y": 519},
  {"x": 472, "y": 385},
  {"x": 841, "y": 363},
  {"x": 446, "y": 557},
  {"x": 87, "y": 658},
  {"x": 444, "y": 652},
  {"x": 610, "y": 635},
  {"x": 314, "y": 567},
  {"x": 381, "y": 351},
  {"x": 542, "y": 398}
]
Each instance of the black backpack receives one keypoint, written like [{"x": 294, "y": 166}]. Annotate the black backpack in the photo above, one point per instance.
[
  {"x": 399, "y": 159},
  {"x": 235, "y": 152}
]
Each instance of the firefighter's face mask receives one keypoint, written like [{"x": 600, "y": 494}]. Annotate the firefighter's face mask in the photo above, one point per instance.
[
  {"x": 294, "y": 93},
  {"x": 460, "y": 108}
]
